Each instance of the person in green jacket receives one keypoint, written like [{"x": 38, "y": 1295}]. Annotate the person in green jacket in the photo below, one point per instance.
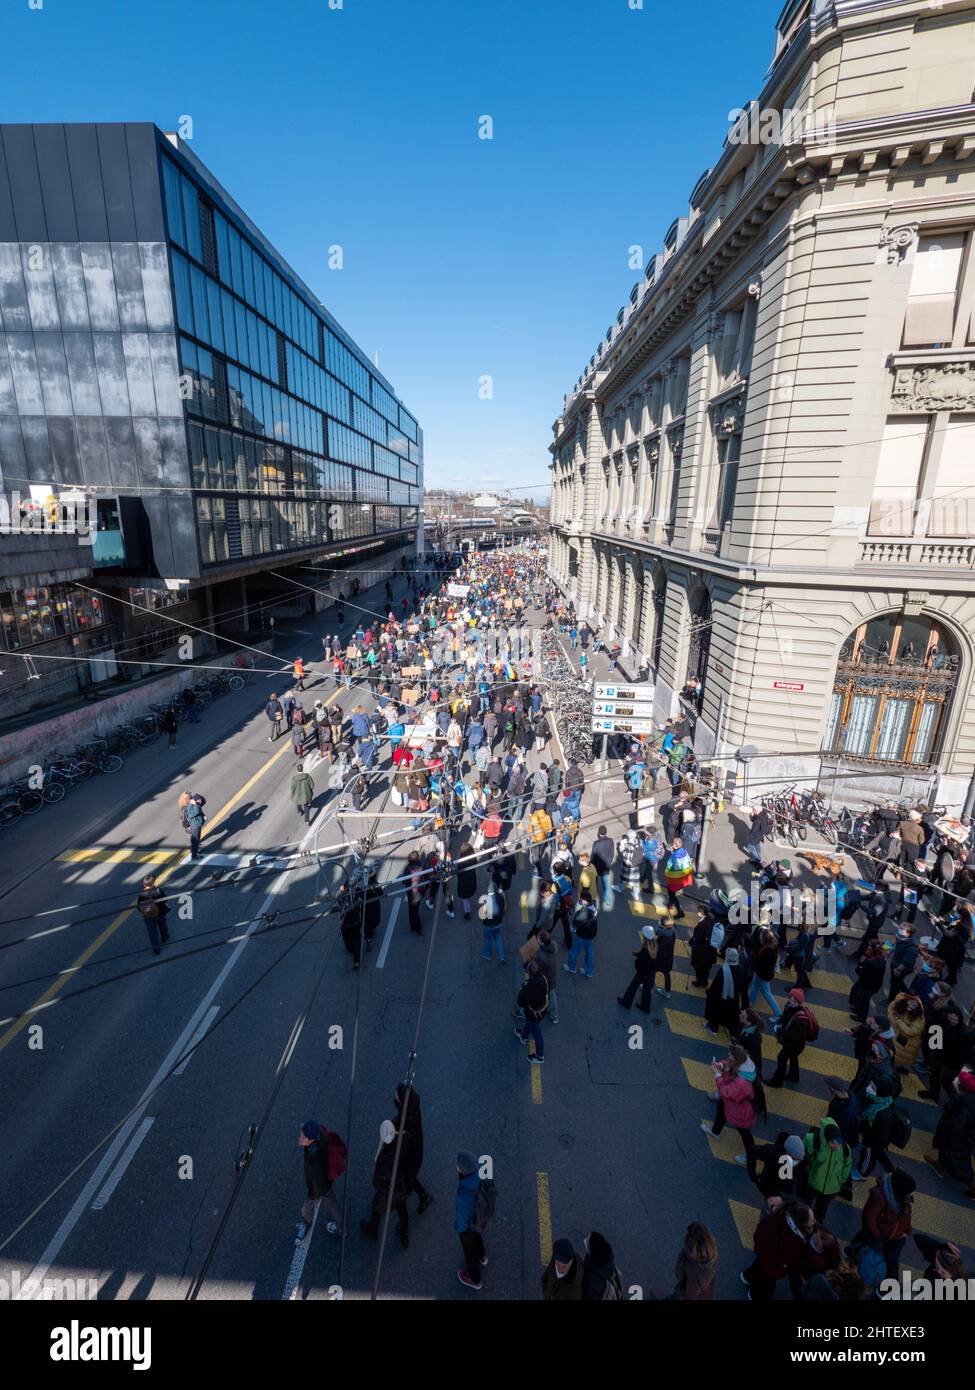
[
  {"x": 830, "y": 1165},
  {"x": 302, "y": 792}
]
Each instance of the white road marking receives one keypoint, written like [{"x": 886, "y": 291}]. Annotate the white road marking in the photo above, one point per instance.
[
  {"x": 115, "y": 1177},
  {"x": 67, "y": 1226},
  {"x": 203, "y": 1028},
  {"x": 293, "y": 1281},
  {"x": 387, "y": 939}
]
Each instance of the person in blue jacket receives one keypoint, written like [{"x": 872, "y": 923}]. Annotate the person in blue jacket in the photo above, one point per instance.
[{"x": 471, "y": 1240}]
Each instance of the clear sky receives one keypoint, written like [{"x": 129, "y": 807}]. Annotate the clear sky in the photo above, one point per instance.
[{"x": 463, "y": 258}]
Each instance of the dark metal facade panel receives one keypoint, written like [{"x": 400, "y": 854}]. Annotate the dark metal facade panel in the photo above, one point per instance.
[
  {"x": 128, "y": 285},
  {"x": 13, "y": 464},
  {"x": 56, "y": 188},
  {"x": 25, "y": 183},
  {"x": 79, "y": 352},
  {"x": 8, "y": 226},
  {"x": 117, "y": 183},
  {"x": 183, "y": 535},
  {"x": 14, "y": 313},
  {"x": 64, "y": 449},
  {"x": 148, "y": 451},
  {"x": 120, "y": 439},
  {"x": 147, "y": 199},
  {"x": 69, "y": 283},
  {"x": 85, "y": 164},
  {"x": 37, "y": 448},
  {"x": 93, "y": 450}
]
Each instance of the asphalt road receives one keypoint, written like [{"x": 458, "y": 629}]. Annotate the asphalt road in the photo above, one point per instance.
[{"x": 604, "y": 1136}]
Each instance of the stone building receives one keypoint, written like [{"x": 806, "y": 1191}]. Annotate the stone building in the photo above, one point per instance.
[{"x": 763, "y": 476}]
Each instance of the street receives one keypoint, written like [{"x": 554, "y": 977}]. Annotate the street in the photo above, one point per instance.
[{"x": 131, "y": 1082}]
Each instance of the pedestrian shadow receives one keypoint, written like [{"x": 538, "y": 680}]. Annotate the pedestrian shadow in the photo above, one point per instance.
[{"x": 239, "y": 819}]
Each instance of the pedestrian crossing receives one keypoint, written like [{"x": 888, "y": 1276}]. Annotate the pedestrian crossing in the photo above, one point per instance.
[{"x": 939, "y": 1210}]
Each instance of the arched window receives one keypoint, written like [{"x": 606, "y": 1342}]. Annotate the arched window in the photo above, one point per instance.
[{"x": 894, "y": 682}]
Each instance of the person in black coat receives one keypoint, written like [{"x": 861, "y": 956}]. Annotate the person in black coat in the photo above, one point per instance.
[
  {"x": 412, "y": 1155},
  {"x": 870, "y": 978},
  {"x": 751, "y": 1030},
  {"x": 703, "y": 954},
  {"x": 384, "y": 1180},
  {"x": 951, "y": 949},
  {"x": 644, "y": 970},
  {"x": 374, "y": 909},
  {"x": 845, "y": 1109},
  {"x": 792, "y": 1031},
  {"x": 784, "y": 1167},
  {"x": 726, "y": 996},
  {"x": 954, "y": 1139},
  {"x": 666, "y": 944}
]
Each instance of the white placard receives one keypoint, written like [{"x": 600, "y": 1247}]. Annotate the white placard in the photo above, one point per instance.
[
  {"x": 458, "y": 590},
  {"x": 624, "y": 690},
  {"x": 623, "y": 709}
]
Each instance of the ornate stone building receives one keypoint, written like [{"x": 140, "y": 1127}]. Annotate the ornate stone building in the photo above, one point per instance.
[{"x": 764, "y": 475}]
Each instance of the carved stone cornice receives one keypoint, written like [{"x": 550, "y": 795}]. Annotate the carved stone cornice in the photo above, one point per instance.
[
  {"x": 727, "y": 410},
  {"x": 931, "y": 382}
]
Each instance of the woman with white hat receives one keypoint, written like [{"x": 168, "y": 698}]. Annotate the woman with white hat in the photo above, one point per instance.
[
  {"x": 644, "y": 969},
  {"x": 388, "y": 1176}
]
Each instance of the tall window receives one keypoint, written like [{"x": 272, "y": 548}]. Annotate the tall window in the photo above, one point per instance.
[
  {"x": 898, "y": 473},
  {"x": 937, "y": 316},
  {"x": 893, "y": 688}
]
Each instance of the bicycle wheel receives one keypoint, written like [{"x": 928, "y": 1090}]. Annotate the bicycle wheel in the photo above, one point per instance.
[
  {"x": 53, "y": 792},
  {"x": 9, "y": 812},
  {"x": 110, "y": 762},
  {"x": 204, "y": 701},
  {"x": 830, "y": 833},
  {"x": 181, "y": 712},
  {"x": 30, "y": 802},
  {"x": 801, "y": 828},
  {"x": 148, "y": 731},
  {"x": 235, "y": 683},
  {"x": 83, "y": 770}
]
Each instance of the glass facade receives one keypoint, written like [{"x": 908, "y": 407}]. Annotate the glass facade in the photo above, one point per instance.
[{"x": 293, "y": 441}]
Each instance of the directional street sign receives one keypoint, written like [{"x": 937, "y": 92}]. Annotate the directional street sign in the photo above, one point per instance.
[
  {"x": 624, "y": 709},
  {"x": 622, "y": 726},
  {"x": 642, "y": 690}
]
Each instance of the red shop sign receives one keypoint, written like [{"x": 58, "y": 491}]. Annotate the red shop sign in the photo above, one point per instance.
[{"x": 788, "y": 685}]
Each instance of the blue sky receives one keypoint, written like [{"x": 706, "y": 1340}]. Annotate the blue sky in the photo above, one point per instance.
[{"x": 463, "y": 258}]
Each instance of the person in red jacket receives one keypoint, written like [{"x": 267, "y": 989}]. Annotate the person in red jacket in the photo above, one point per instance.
[
  {"x": 781, "y": 1249},
  {"x": 887, "y": 1217}
]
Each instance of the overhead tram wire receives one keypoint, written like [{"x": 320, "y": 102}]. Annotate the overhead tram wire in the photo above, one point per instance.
[{"x": 245, "y": 1161}]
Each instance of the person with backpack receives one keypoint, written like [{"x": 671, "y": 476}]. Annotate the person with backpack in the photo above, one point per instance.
[
  {"x": 887, "y": 1218},
  {"x": 601, "y": 856},
  {"x": 781, "y": 1247},
  {"x": 796, "y": 1027},
  {"x": 324, "y": 1156},
  {"x": 764, "y": 958},
  {"x": 389, "y": 1177},
  {"x": 473, "y": 1208},
  {"x": 491, "y": 911},
  {"x": 194, "y": 819},
  {"x": 654, "y": 849},
  {"x": 678, "y": 874},
  {"x": 870, "y": 970},
  {"x": 876, "y": 1128},
  {"x": 154, "y": 908},
  {"x": 533, "y": 998},
  {"x": 601, "y": 1280},
  {"x": 830, "y": 1166},
  {"x": 584, "y": 928}
]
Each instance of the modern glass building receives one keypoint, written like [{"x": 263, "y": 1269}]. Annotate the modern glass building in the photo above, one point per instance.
[{"x": 160, "y": 359}]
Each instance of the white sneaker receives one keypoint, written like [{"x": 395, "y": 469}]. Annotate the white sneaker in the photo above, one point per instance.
[{"x": 706, "y": 1126}]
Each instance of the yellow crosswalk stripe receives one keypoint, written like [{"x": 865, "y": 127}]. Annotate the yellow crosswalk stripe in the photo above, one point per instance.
[
  {"x": 544, "y": 1218},
  {"x": 118, "y": 856},
  {"x": 524, "y": 909},
  {"x": 814, "y": 1059},
  {"x": 536, "y": 1075}
]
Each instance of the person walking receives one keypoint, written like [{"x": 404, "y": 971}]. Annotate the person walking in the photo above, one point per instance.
[
  {"x": 734, "y": 1079},
  {"x": 666, "y": 945},
  {"x": 189, "y": 700},
  {"x": 562, "y": 1279},
  {"x": 781, "y": 1247},
  {"x": 533, "y": 998},
  {"x": 726, "y": 996},
  {"x": 298, "y": 671},
  {"x": 491, "y": 911},
  {"x": 169, "y": 724},
  {"x": 302, "y": 792},
  {"x": 870, "y": 978},
  {"x": 830, "y": 1165},
  {"x": 584, "y": 928},
  {"x": 765, "y": 958},
  {"x": 323, "y": 1156},
  {"x": 876, "y": 1128},
  {"x": 696, "y": 1267},
  {"x": 793, "y": 1032},
  {"x": 412, "y": 1154},
  {"x": 887, "y": 1218},
  {"x": 601, "y": 857},
  {"x": 703, "y": 952},
  {"x": 386, "y": 1181},
  {"x": 194, "y": 820},
  {"x": 954, "y": 1138},
  {"x": 759, "y": 831},
  {"x": 601, "y": 1280},
  {"x": 274, "y": 710},
  {"x": 466, "y": 1222},
  {"x": 903, "y": 959},
  {"x": 416, "y": 881},
  {"x": 466, "y": 880},
  {"x": 644, "y": 969},
  {"x": 547, "y": 960},
  {"x": 154, "y": 909},
  {"x": 678, "y": 874}
]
